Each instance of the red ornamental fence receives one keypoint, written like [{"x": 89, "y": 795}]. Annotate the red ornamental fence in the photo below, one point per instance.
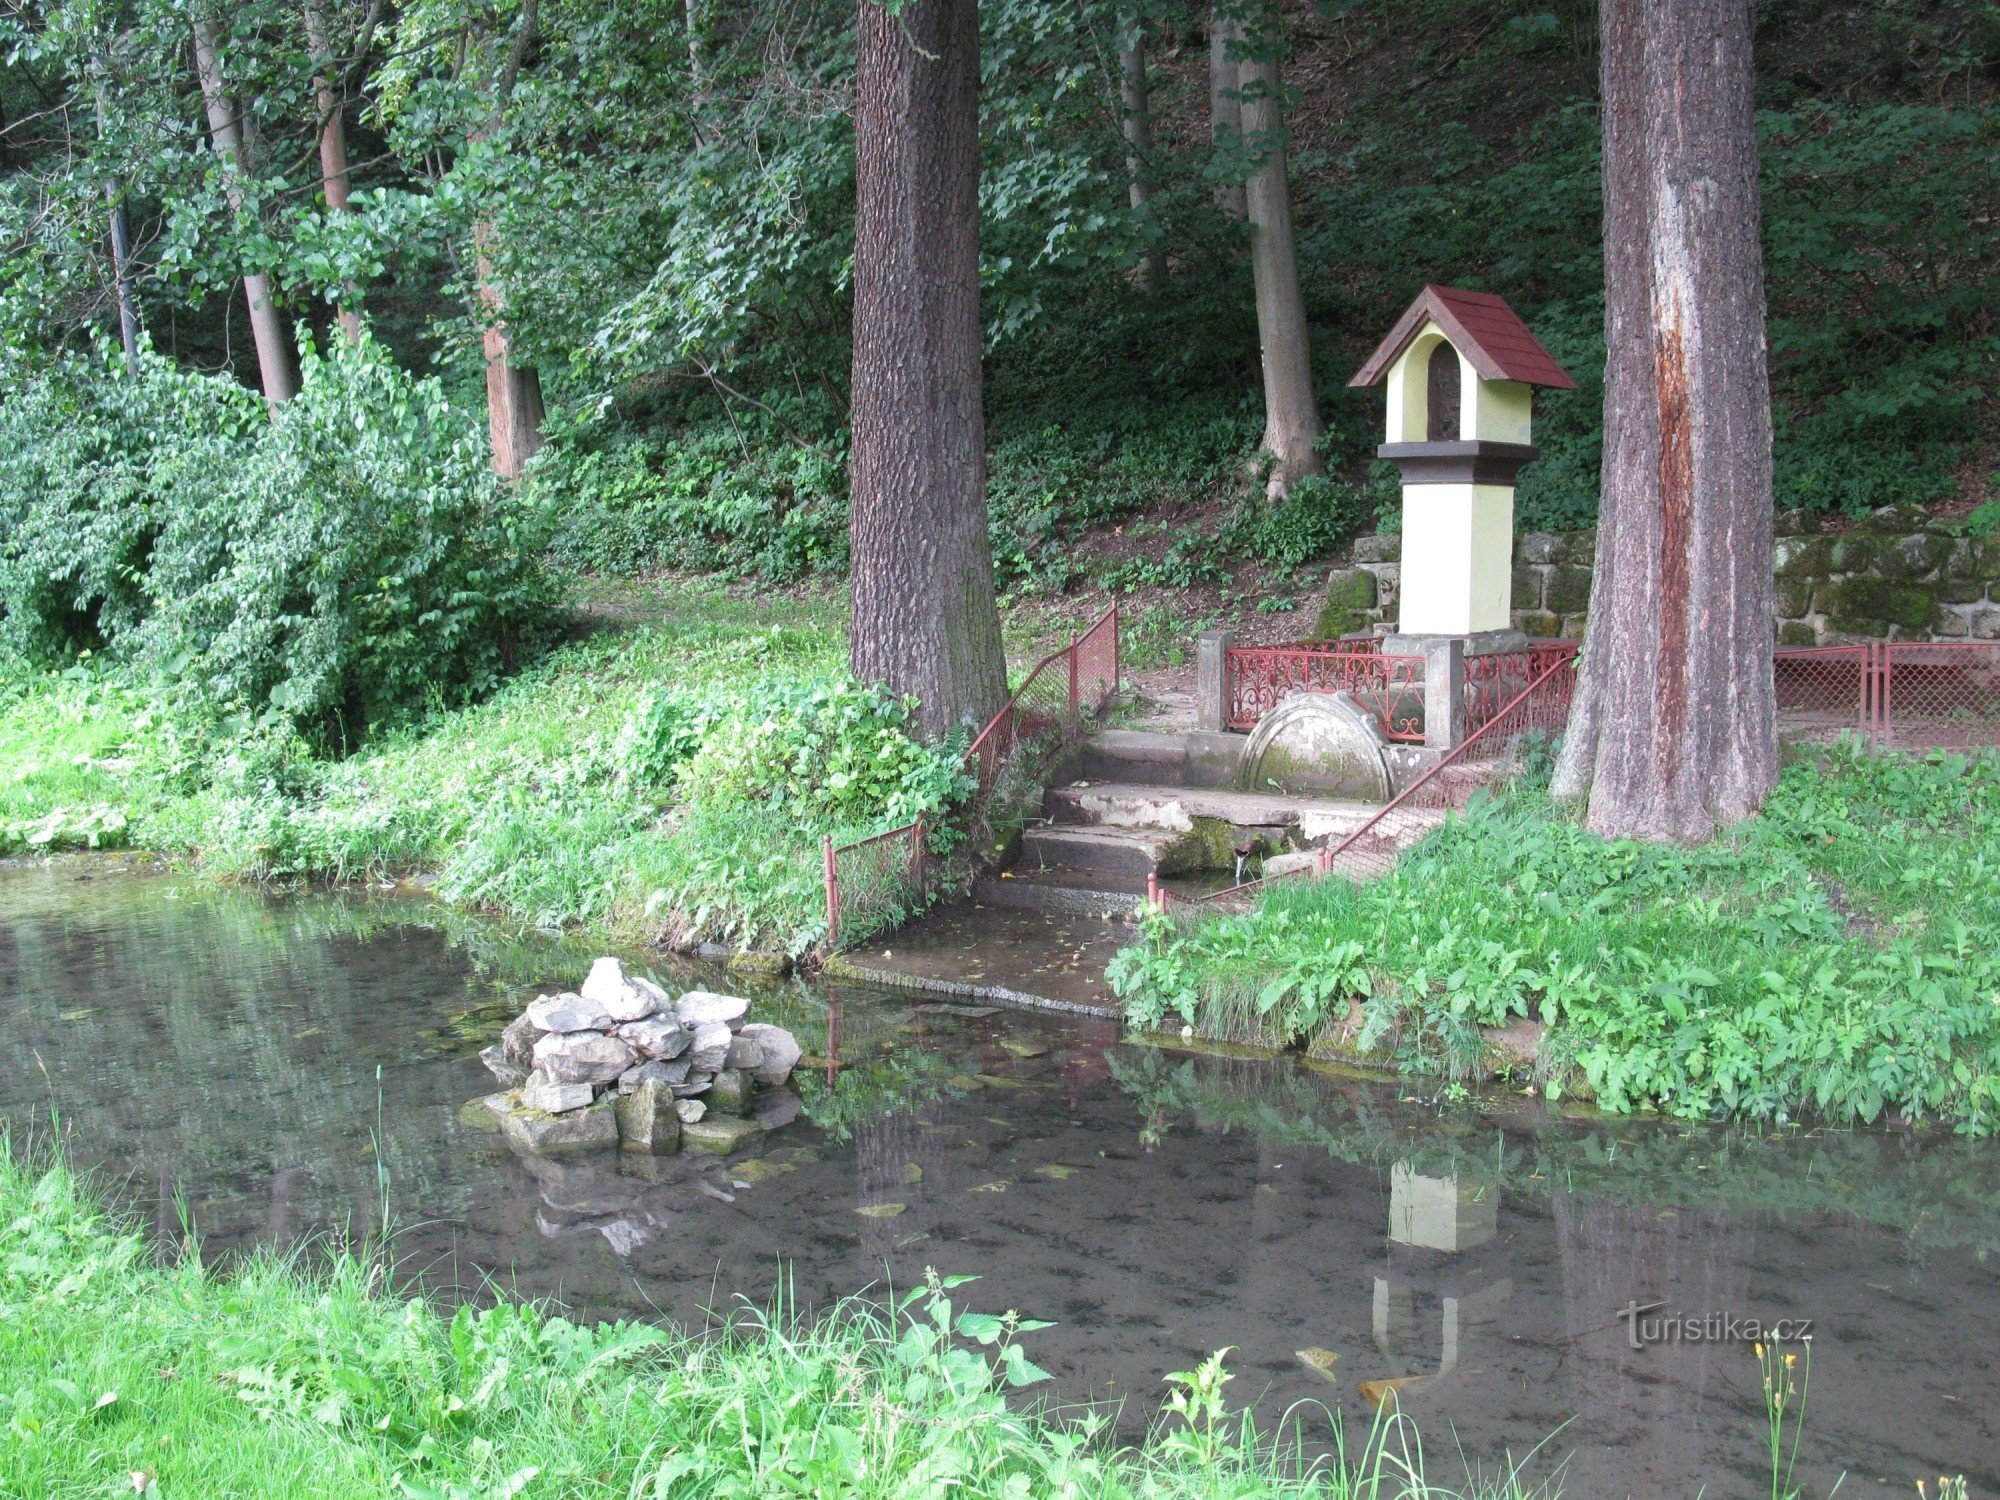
[
  {"x": 872, "y": 882},
  {"x": 1390, "y": 687}
]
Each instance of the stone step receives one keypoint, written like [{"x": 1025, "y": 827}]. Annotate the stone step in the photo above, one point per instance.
[
  {"x": 1252, "y": 818},
  {"x": 1185, "y": 758},
  {"x": 1130, "y": 853}
]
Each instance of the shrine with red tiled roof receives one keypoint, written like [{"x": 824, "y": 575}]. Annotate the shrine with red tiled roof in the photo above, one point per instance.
[{"x": 1460, "y": 370}]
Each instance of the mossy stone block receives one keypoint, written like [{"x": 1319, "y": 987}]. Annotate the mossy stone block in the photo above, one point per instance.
[
  {"x": 1861, "y": 605},
  {"x": 1857, "y": 552},
  {"x": 1542, "y": 547},
  {"x": 1583, "y": 546},
  {"x": 1536, "y": 622},
  {"x": 1387, "y": 547},
  {"x": 1797, "y": 633},
  {"x": 1568, "y": 591},
  {"x": 1794, "y": 597},
  {"x": 1350, "y": 594},
  {"x": 1528, "y": 586},
  {"x": 721, "y": 1135},
  {"x": 1803, "y": 556}
]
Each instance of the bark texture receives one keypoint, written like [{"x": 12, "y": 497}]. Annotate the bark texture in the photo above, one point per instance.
[
  {"x": 1673, "y": 733},
  {"x": 267, "y": 325},
  {"x": 1136, "y": 119},
  {"x": 331, "y": 101},
  {"x": 1225, "y": 104},
  {"x": 924, "y": 617},
  {"x": 1291, "y": 414}
]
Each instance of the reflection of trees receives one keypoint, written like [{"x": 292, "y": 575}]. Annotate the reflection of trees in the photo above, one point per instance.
[
  {"x": 1695, "y": 1261},
  {"x": 1935, "y": 1192}
]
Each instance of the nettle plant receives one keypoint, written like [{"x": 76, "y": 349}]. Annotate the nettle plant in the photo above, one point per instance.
[{"x": 824, "y": 750}]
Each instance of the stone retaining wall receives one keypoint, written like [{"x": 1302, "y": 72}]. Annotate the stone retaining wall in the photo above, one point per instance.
[{"x": 1898, "y": 574}]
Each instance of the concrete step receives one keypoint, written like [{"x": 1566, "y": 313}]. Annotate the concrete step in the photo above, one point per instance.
[
  {"x": 1253, "y": 818},
  {"x": 1186, "y": 758},
  {"x": 1128, "y": 853},
  {"x": 1081, "y": 893}
]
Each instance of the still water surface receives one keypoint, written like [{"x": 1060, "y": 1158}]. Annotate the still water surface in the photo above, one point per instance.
[{"x": 264, "y": 1068}]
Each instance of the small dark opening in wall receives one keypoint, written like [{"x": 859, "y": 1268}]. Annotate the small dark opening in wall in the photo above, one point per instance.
[{"x": 1441, "y": 396}]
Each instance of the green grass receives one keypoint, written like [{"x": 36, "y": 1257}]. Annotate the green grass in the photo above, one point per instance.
[
  {"x": 310, "y": 1374},
  {"x": 1836, "y": 958},
  {"x": 520, "y": 804}
]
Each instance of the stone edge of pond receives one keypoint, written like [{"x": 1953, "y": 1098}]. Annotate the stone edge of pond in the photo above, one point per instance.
[{"x": 839, "y": 967}]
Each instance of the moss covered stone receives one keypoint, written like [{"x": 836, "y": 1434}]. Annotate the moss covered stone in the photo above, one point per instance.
[
  {"x": 1862, "y": 605},
  {"x": 1568, "y": 591},
  {"x": 1797, "y": 633},
  {"x": 1803, "y": 556},
  {"x": 1350, "y": 594},
  {"x": 1794, "y": 597}
]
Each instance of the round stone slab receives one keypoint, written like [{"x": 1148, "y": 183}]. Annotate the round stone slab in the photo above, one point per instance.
[{"x": 703, "y": 1007}]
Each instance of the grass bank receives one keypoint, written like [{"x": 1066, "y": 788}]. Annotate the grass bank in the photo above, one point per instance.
[
  {"x": 1836, "y": 958},
  {"x": 573, "y": 794},
  {"x": 294, "y": 1376}
]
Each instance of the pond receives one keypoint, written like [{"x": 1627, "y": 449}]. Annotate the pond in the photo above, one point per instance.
[{"x": 264, "y": 1069}]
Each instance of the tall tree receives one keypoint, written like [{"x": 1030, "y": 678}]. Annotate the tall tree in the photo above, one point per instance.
[
  {"x": 924, "y": 618},
  {"x": 1136, "y": 119},
  {"x": 330, "y": 97},
  {"x": 225, "y": 127},
  {"x": 1225, "y": 101},
  {"x": 1291, "y": 412},
  {"x": 514, "y": 410},
  {"x": 1673, "y": 732}
]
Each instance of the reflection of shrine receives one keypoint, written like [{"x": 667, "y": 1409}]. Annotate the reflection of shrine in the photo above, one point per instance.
[{"x": 1432, "y": 1222}]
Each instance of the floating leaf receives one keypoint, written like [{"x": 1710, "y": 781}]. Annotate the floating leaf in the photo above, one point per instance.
[
  {"x": 1319, "y": 1361},
  {"x": 912, "y": 1173},
  {"x": 881, "y": 1210}
]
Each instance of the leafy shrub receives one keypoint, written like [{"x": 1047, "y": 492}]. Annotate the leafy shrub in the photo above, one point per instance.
[
  {"x": 823, "y": 749},
  {"x": 1315, "y": 519},
  {"x": 1726, "y": 980},
  {"x": 347, "y": 564}
]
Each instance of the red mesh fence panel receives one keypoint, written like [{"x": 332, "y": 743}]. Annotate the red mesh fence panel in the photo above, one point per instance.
[
  {"x": 875, "y": 882},
  {"x": 1823, "y": 691},
  {"x": 1257, "y": 678},
  {"x": 1937, "y": 693}
]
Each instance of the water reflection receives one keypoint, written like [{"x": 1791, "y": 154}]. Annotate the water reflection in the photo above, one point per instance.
[{"x": 252, "y": 1062}]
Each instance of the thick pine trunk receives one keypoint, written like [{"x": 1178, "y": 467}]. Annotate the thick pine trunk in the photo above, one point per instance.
[
  {"x": 1291, "y": 414},
  {"x": 267, "y": 327},
  {"x": 1136, "y": 118},
  {"x": 924, "y": 617},
  {"x": 334, "y": 178},
  {"x": 1225, "y": 104},
  {"x": 1673, "y": 733}
]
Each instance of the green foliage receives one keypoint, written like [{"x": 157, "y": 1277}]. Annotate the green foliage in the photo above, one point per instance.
[
  {"x": 1834, "y": 958},
  {"x": 1315, "y": 519},
  {"x": 180, "y": 1379},
  {"x": 345, "y": 565},
  {"x": 829, "y": 749}
]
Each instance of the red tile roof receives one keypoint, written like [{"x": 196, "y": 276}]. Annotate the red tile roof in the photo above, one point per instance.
[{"x": 1484, "y": 329}]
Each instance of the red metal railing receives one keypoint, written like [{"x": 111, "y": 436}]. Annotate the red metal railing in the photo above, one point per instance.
[
  {"x": 1391, "y": 688},
  {"x": 1540, "y": 707},
  {"x": 873, "y": 882}
]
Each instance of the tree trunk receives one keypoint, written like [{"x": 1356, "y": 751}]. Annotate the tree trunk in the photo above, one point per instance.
[
  {"x": 1291, "y": 415},
  {"x": 1225, "y": 104},
  {"x": 121, "y": 280},
  {"x": 267, "y": 327},
  {"x": 514, "y": 410},
  {"x": 334, "y": 178},
  {"x": 1673, "y": 732},
  {"x": 1137, "y": 120},
  {"x": 924, "y": 618}
]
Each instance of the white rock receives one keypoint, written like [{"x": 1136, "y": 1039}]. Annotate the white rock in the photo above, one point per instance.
[
  {"x": 567, "y": 1012},
  {"x": 701, "y": 1007},
  {"x": 583, "y": 1057},
  {"x": 623, "y": 997},
  {"x": 657, "y": 1036},
  {"x": 690, "y": 1110},
  {"x": 711, "y": 1047},
  {"x": 544, "y": 1093},
  {"x": 668, "y": 1073},
  {"x": 779, "y": 1048}
]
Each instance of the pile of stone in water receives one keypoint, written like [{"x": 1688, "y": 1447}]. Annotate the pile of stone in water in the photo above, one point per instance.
[{"x": 621, "y": 1063}]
